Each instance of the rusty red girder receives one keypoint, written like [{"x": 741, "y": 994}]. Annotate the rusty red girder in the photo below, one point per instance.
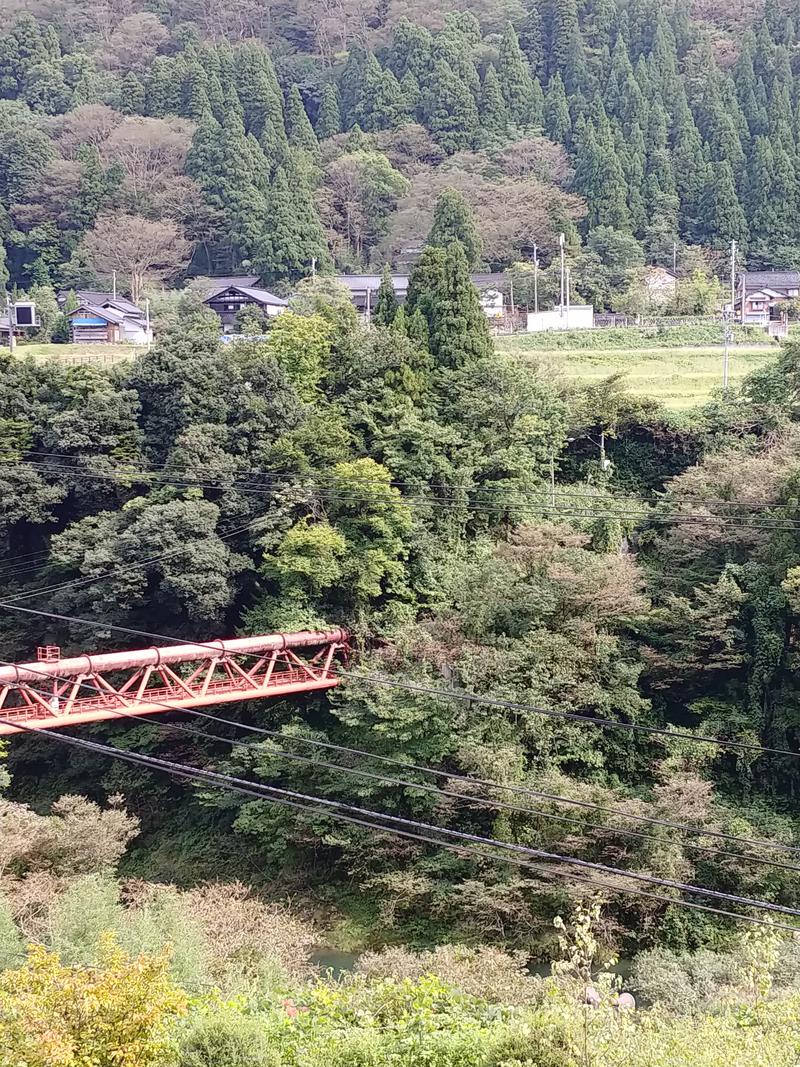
[{"x": 54, "y": 692}]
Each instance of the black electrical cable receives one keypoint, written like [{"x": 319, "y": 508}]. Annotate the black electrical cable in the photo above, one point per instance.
[
  {"x": 249, "y": 788},
  {"x": 135, "y": 565},
  {"x": 397, "y": 483},
  {"x": 572, "y": 716},
  {"x": 438, "y": 791},
  {"x": 500, "y": 506},
  {"x": 683, "y": 887},
  {"x": 363, "y": 753}
]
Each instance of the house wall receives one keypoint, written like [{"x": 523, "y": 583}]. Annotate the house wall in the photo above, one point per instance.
[
  {"x": 492, "y": 303},
  {"x": 136, "y": 333},
  {"x": 227, "y": 308},
  {"x": 576, "y": 317},
  {"x": 94, "y": 332}
]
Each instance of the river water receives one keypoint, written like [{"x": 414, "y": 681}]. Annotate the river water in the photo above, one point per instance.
[{"x": 339, "y": 963}]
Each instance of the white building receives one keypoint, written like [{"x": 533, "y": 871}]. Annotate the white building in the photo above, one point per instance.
[
  {"x": 493, "y": 303},
  {"x": 571, "y": 317}
]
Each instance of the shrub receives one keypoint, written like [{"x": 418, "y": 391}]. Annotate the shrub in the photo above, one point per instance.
[
  {"x": 79, "y": 917},
  {"x": 484, "y": 972},
  {"x": 119, "y": 1012},
  {"x": 684, "y": 983},
  {"x": 226, "y": 1039},
  {"x": 12, "y": 952}
]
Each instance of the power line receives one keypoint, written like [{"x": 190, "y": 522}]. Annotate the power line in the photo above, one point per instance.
[
  {"x": 398, "y": 483},
  {"x": 587, "y": 720},
  {"x": 465, "y": 696},
  {"x": 418, "y": 768},
  {"x": 134, "y": 565},
  {"x": 500, "y": 506},
  {"x": 438, "y": 791},
  {"x": 332, "y": 809}
]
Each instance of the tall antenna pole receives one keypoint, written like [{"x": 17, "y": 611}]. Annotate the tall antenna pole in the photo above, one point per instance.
[
  {"x": 568, "y": 296},
  {"x": 12, "y": 340},
  {"x": 561, "y": 240},
  {"x": 728, "y": 320},
  {"x": 536, "y": 279}
]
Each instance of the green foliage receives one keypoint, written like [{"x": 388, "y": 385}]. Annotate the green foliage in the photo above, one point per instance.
[
  {"x": 226, "y": 1038},
  {"x": 397, "y": 480},
  {"x": 386, "y": 305},
  {"x": 454, "y": 220},
  {"x": 120, "y": 1012},
  {"x": 12, "y": 949},
  {"x": 302, "y": 345},
  {"x": 298, "y": 126},
  {"x": 442, "y": 291},
  {"x": 515, "y": 78},
  {"x": 329, "y": 120}
]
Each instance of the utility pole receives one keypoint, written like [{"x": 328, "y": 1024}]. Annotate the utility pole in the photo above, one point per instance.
[
  {"x": 675, "y": 257},
  {"x": 561, "y": 240},
  {"x": 147, "y": 323},
  {"x": 568, "y": 273},
  {"x": 313, "y": 268},
  {"x": 536, "y": 279},
  {"x": 728, "y": 318},
  {"x": 552, "y": 478},
  {"x": 12, "y": 340},
  {"x": 114, "y": 284}
]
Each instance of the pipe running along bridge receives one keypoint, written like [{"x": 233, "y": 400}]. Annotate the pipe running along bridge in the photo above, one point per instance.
[{"x": 53, "y": 692}]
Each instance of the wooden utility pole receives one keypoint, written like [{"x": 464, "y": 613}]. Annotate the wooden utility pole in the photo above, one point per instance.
[
  {"x": 729, "y": 317},
  {"x": 561, "y": 240},
  {"x": 536, "y": 279},
  {"x": 12, "y": 340}
]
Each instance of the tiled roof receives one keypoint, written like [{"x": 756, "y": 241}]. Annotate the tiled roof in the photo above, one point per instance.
[
  {"x": 260, "y": 296},
  {"x": 109, "y": 314},
  {"x": 772, "y": 279}
]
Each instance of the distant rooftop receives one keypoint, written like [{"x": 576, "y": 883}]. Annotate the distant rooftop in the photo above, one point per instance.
[
  {"x": 101, "y": 299},
  {"x": 362, "y": 282},
  {"x": 771, "y": 279},
  {"x": 242, "y": 281},
  {"x": 259, "y": 296}
]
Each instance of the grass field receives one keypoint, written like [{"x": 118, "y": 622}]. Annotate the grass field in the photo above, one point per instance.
[
  {"x": 79, "y": 355},
  {"x": 680, "y": 378}
]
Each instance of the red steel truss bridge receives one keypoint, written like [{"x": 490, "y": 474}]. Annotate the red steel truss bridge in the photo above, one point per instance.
[{"x": 54, "y": 692}]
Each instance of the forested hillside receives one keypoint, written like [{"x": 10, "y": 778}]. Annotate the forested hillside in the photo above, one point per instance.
[
  {"x": 395, "y": 481},
  {"x": 204, "y": 139},
  {"x": 574, "y": 616}
]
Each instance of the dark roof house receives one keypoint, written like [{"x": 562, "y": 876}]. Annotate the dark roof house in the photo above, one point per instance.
[
  {"x": 778, "y": 280},
  {"x": 97, "y": 324},
  {"x": 103, "y": 300},
  {"x": 364, "y": 287},
  {"x": 227, "y": 299},
  {"x": 761, "y": 298}
]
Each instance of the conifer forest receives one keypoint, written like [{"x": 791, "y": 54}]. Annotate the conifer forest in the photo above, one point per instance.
[{"x": 547, "y": 811}]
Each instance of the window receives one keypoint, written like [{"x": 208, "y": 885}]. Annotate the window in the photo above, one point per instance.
[
  {"x": 758, "y": 305},
  {"x": 230, "y": 307}
]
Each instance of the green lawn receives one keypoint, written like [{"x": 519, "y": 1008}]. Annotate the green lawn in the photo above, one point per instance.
[
  {"x": 77, "y": 355},
  {"x": 679, "y": 377}
]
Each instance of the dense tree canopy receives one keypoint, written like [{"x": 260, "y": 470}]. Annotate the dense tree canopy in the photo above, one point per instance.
[{"x": 262, "y": 144}]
